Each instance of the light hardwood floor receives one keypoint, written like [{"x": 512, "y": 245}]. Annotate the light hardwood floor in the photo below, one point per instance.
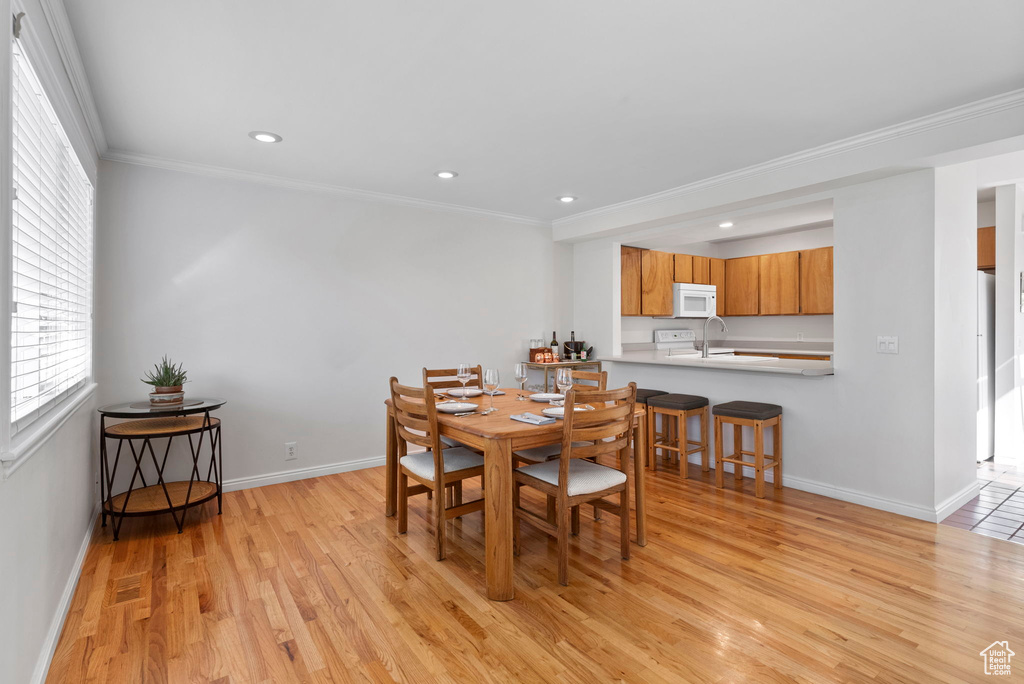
[{"x": 308, "y": 582}]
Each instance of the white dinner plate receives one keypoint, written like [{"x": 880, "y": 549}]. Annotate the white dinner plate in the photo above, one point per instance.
[
  {"x": 544, "y": 397},
  {"x": 456, "y": 406},
  {"x": 464, "y": 392},
  {"x": 559, "y": 411}
]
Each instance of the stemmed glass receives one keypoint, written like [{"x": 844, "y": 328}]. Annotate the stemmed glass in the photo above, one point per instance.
[
  {"x": 520, "y": 377},
  {"x": 463, "y": 375},
  {"x": 563, "y": 378},
  {"x": 491, "y": 384}
]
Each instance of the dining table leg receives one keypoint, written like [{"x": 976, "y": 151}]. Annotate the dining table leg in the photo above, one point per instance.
[
  {"x": 390, "y": 468},
  {"x": 498, "y": 519},
  {"x": 639, "y": 472}
]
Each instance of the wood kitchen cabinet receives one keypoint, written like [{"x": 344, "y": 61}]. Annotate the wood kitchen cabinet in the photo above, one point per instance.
[
  {"x": 741, "y": 286},
  {"x": 701, "y": 270},
  {"x": 987, "y": 248},
  {"x": 630, "y": 281},
  {"x": 779, "y": 284},
  {"x": 657, "y": 277},
  {"x": 717, "y": 274},
  {"x": 683, "y": 268},
  {"x": 816, "y": 281}
]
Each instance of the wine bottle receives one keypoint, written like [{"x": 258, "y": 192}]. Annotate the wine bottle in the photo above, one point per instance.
[
  {"x": 572, "y": 344},
  {"x": 554, "y": 346}
]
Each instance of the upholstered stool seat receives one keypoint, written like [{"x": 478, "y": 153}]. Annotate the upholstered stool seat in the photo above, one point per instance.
[
  {"x": 678, "y": 402},
  {"x": 642, "y": 395},
  {"x": 752, "y": 410},
  {"x": 672, "y": 439},
  {"x": 756, "y": 415}
]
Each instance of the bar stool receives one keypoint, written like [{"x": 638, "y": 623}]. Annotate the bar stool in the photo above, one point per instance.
[
  {"x": 758, "y": 416},
  {"x": 674, "y": 410},
  {"x": 642, "y": 395}
]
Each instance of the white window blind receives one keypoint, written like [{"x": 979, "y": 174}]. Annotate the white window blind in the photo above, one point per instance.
[{"x": 52, "y": 230}]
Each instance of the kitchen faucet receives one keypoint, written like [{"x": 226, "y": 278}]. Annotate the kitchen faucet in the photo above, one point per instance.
[{"x": 707, "y": 344}]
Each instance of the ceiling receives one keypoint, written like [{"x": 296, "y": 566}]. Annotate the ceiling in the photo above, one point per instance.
[{"x": 528, "y": 100}]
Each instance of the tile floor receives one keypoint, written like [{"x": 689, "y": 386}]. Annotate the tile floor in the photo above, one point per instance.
[{"x": 998, "y": 510}]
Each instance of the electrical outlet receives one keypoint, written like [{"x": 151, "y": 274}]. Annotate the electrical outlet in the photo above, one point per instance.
[
  {"x": 291, "y": 451},
  {"x": 888, "y": 344},
  {"x": 799, "y": 337}
]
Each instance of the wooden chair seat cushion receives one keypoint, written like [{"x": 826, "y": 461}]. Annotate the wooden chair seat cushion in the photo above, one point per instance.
[
  {"x": 449, "y": 442},
  {"x": 585, "y": 476},
  {"x": 678, "y": 402},
  {"x": 750, "y": 410},
  {"x": 642, "y": 395},
  {"x": 543, "y": 453},
  {"x": 459, "y": 458}
]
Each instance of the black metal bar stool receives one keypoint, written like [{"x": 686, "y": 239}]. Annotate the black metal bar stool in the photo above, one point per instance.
[
  {"x": 758, "y": 416},
  {"x": 673, "y": 440},
  {"x": 642, "y": 395}
]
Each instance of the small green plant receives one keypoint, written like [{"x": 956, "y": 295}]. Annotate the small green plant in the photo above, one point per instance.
[{"x": 166, "y": 375}]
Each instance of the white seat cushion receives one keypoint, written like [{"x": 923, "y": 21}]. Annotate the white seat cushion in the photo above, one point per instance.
[
  {"x": 543, "y": 453},
  {"x": 422, "y": 464},
  {"x": 449, "y": 442},
  {"x": 585, "y": 477}
]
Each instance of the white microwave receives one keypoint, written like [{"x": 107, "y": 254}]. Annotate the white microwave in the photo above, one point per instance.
[{"x": 693, "y": 301}]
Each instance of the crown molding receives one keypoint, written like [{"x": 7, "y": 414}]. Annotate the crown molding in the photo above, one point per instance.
[
  {"x": 311, "y": 186},
  {"x": 972, "y": 110},
  {"x": 60, "y": 26}
]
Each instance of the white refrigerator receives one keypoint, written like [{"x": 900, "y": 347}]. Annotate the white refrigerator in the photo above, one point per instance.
[{"x": 986, "y": 365}]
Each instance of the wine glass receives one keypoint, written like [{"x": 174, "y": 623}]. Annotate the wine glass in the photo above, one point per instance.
[
  {"x": 563, "y": 378},
  {"x": 491, "y": 384},
  {"x": 520, "y": 377},
  {"x": 463, "y": 375}
]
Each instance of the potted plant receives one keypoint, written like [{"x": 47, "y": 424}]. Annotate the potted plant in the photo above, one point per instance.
[{"x": 166, "y": 379}]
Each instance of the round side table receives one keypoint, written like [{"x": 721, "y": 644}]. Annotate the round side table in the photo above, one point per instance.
[{"x": 147, "y": 423}]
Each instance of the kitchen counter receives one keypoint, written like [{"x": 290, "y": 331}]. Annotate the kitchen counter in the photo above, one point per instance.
[{"x": 660, "y": 357}]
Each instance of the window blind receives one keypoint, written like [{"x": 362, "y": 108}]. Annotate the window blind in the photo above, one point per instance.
[{"x": 52, "y": 232}]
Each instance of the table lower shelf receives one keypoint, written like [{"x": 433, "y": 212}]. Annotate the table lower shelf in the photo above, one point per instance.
[{"x": 152, "y": 500}]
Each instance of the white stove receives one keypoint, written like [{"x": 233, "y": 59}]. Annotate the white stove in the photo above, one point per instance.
[{"x": 681, "y": 343}]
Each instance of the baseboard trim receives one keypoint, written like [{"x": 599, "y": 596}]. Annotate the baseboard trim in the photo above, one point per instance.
[
  {"x": 870, "y": 500},
  {"x": 301, "y": 473},
  {"x": 57, "y": 623},
  {"x": 953, "y": 503}
]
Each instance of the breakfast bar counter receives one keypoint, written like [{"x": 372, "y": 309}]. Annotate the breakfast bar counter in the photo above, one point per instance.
[{"x": 750, "y": 364}]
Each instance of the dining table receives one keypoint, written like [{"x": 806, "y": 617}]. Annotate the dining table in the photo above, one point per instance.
[{"x": 498, "y": 436}]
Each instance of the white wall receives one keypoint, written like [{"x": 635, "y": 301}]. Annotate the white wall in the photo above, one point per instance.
[
  {"x": 47, "y": 507},
  {"x": 768, "y": 328},
  {"x": 986, "y": 214},
  {"x": 956, "y": 328},
  {"x": 866, "y": 434},
  {"x": 298, "y": 306}
]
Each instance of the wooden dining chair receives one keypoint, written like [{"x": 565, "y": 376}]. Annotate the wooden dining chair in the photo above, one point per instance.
[
  {"x": 574, "y": 479},
  {"x": 593, "y": 379},
  {"x": 435, "y": 469},
  {"x": 444, "y": 378}
]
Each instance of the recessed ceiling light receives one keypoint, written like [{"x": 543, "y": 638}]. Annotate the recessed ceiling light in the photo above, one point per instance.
[
  {"x": 725, "y": 224},
  {"x": 264, "y": 136},
  {"x": 566, "y": 199},
  {"x": 445, "y": 175}
]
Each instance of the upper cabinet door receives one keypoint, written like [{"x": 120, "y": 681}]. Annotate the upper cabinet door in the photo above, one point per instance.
[
  {"x": 780, "y": 284},
  {"x": 684, "y": 268},
  {"x": 816, "y": 281},
  {"x": 701, "y": 270},
  {"x": 656, "y": 284},
  {"x": 717, "y": 269},
  {"x": 741, "y": 286},
  {"x": 987, "y": 248},
  {"x": 630, "y": 284}
]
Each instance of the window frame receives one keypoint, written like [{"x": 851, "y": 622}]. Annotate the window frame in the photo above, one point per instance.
[{"x": 37, "y": 43}]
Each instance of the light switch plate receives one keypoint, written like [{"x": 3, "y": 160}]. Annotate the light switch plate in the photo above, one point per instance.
[{"x": 888, "y": 344}]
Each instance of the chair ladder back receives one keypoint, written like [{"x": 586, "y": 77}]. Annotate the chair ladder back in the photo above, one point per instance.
[
  {"x": 416, "y": 421},
  {"x": 444, "y": 378},
  {"x": 599, "y": 378},
  {"x": 607, "y": 427}
]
